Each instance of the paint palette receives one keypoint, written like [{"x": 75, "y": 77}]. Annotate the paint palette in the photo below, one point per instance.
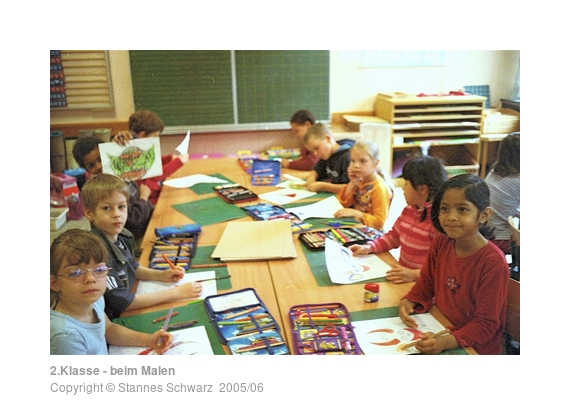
[{"x": 322, "y": 329}]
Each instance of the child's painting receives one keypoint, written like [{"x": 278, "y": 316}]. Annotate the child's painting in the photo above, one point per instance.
[
  {"x": 344, "y": 268},
  {"x": 140, "y": 159},
  {"x": 389, "y": 335},
  {"x": 190, "y": 341}
]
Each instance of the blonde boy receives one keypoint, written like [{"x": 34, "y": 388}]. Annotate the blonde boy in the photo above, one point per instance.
[{"x": 105, "y": 198}]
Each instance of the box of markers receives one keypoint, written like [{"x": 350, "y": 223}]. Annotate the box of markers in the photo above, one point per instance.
[
  {"x": 322, "y": 329},
  {"x": 315, "y": 240},
  {"x": 269, "y": 212},
  {"x": 235, "y": 193},
  {"x": 265, "y": 172},
  {"x": 244, "y": 324}
]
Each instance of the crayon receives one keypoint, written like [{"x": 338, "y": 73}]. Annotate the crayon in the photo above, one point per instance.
[{"x": 162, "y": 318}]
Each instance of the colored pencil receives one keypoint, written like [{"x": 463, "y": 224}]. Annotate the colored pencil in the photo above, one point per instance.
[
  {"x": 207, "y": 265},
  {"x": 214, "y": 278},
  {"x": 165, "y": 326}
]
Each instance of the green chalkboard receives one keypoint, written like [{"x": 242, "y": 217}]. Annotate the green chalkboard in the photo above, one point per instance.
[{"x": 224, "y": 87}]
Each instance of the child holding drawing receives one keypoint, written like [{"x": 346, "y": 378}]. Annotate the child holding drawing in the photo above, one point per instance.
[
  {"x": 367, "y": 196},
  {"x": 413, "y": 231},
  {"x": 78, "y": 280},
  {"x": 465, "y": 275},
  {"x": 87, "y": 155},
  {"x": 147, "y": 124},
  {"x": 105, "y": 199},
  {"x": 300, "y": 122}
]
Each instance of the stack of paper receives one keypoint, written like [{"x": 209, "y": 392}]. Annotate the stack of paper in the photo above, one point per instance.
[{"x": 257, "y": 240}]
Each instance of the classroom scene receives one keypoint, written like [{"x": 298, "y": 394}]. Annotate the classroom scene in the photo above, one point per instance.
[{"x": 284, "y": 202}]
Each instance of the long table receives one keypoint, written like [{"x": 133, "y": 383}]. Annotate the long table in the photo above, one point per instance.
[{"x": 281, "y": 284}]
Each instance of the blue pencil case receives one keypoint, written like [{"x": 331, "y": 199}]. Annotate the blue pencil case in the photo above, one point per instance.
[
  {"x": 265, "y": 172},
  {"x": 244, "y": 324},
  {"x": 178, "y": 231}
]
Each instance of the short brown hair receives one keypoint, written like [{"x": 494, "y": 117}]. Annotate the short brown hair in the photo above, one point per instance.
[
  {"x": 302, "y": 116},
  {"x": 145, "y": 120},
  {"x": 317, "y": 131},
  {"x": 77, "y": 246},
  {"x": 101, "y": 186}
]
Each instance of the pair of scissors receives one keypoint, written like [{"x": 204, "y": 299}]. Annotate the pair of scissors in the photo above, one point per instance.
[{"x": 328, "y": 331}]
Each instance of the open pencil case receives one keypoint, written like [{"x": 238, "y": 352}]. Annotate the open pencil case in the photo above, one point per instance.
[
  {"x": 177, "y": 243},
  {"x": 235, "y": 193},
  {"x": 315, "y": 240},
  {"x": 244, "y": 324},
  {"x": 322, "y": 329}
]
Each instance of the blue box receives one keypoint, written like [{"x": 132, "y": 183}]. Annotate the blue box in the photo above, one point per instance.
[{"x": 265, "y": 172}]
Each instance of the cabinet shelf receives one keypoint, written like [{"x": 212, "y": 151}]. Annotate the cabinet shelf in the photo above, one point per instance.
[{"x": 439, "y": 121}]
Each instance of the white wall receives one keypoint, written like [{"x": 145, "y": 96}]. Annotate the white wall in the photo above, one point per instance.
[{"x": 354, "y": 88}]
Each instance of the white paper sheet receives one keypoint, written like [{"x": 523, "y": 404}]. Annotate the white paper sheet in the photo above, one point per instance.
[
  {"x": 189, "y": 341},
  {"x": 323, "y": 209},
  {"x": 193, "y": 179},
  {"x": 183, "y": 147},
  {"x": 344, "y": 268},
  {"x": 387, "y": 335},
  {"x": 286, "y": 195},
  {"x": 208, "y": 287}
]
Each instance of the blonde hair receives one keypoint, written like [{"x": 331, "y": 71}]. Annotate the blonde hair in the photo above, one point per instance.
[
  {"x": 369, "y": 147},
  {"x": 317, "y": 131},
  {"x": 101, "y": 186}
]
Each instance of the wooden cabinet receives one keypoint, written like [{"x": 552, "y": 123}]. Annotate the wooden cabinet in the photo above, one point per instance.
[{"x": 448, "y": 127}]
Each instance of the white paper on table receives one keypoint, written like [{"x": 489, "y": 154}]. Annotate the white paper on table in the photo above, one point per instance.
[
  {"x": 183, "y": 147},
  {"x": 286, "y": 195},
  {"x": 387, "y": 335},
  {"x": 290, "y": 181},
  {"x": 193, "y": 179},
  {"x": 190, "y": 341},
  {"x": 344, "y": 268},
  {"x": 208, "y": 287},
  {"x": 139, "y": 159},
  {"x": 323, "y": 209}
]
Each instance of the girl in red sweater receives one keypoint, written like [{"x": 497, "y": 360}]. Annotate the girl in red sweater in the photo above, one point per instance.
[{"x": 464, "y": 275}]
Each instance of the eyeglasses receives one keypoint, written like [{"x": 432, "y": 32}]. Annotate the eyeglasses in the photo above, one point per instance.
[{"x": 98, "y": 272}]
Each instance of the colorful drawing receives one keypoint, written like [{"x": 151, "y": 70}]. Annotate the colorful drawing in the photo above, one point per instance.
[
  {"x": 140, "y": 159},
  {"x": 389, "y": 335}
]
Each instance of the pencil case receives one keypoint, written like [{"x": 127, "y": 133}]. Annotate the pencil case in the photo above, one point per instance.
[
  {"x": 235, "y": 193},
  {"x": 347, "y": 236},
  {"x": 179, "y": 250},
  {"x": 322, "y": 329},
  {"x": 265, "y": 172},
  {"x": 181, "y": 231},
  {"x": 244, "y": 324}
]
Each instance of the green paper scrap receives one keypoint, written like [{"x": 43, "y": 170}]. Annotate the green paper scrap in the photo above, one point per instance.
[
  {"x": 208, "y": 188},
  {"x": 197, "y": 311},
  {"x": 317, "y": 263},
  {"x": 204, "y": 256},
  {"x": 210, "y": 211},
  {"x": 392, "y": 312}
]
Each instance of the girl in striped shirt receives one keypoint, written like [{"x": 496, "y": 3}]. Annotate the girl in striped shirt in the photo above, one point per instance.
[{"x": 413, "y": 231}]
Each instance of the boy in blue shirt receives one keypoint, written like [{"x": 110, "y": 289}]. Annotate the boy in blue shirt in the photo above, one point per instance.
[{"x": 330, "y": 174}]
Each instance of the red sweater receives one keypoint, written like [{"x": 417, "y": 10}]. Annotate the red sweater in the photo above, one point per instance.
[
  {"x": 410, "y": 235},
  {"x": 470, "y": 291},
  {"x": 306, "y": 161},
  {"x": 170, "y": 164}
]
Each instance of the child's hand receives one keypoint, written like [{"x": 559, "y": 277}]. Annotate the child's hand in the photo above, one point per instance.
[
  {"x": 144, "y": 192},
  {"x": 400, "y": 274},
  {"x": 360, "y": 249},
  {"x": 189, "y": 290},
  {"x": 122, "y": 137},
  {"x": 348, "y": 212},
  {"x": 184, "y": 157},
  {"x": 405, "y": 308},
  {"x": 164, "y": 344},
  {"x": 285, "y": 162},
  {"x": 428, "y": 344},
  {"x": 315, "y": 187},
  {"x": 173, "y": 275}
]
